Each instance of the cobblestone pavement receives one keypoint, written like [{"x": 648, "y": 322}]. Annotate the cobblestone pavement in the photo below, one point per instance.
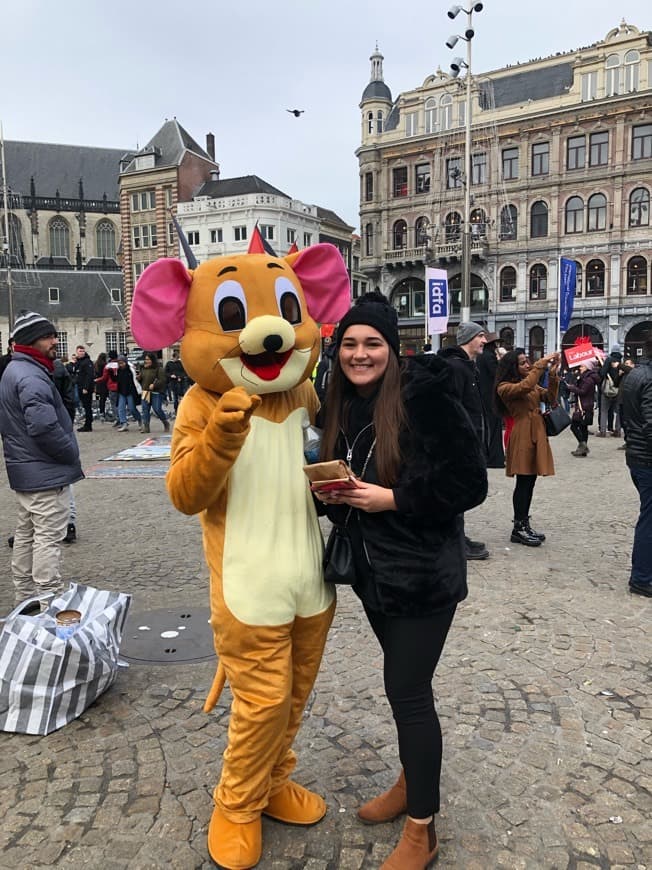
[{"x": 543, "y": 692}]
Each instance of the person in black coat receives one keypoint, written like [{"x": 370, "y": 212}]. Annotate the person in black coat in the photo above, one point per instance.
[
  {"x": 487, "y": 365},
  {"x": 406, "y": 435},
  {"x": 85, "y": 386}
]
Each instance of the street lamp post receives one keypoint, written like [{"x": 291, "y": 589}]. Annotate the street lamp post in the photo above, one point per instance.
[{"x": 456, "y": 67}]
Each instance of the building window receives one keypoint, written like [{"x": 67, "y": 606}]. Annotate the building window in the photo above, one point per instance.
[
  {"x": 431, "y": 115},
  {"x": 636, "y": 276},
  {"x": 62, "y": 346},
  {"x": 576, "y": 152},
  {"x": 642, "y": 142},
  {"x": 612, "y": 75},
  {"x": 139, "y": 268},
  {"x": 478, "y": 223},
  {"x": 507, "y": 337},
  {"x": 508, "y": 284},
  {"x": 105, "y": 240},
  {"x": 537, "y": 338},
  {"x": 575, "y": 215},
  {"x": 461, "y": 113},
  {"x": 240, "y": 234},
  {"x": 510, "y": 164},
  {"x": 421, "y": 237},
  {"x": 453, "y": 172},
  {"x": 267, "y": 231},
  {"x": 116, "y": 296},
  {"x": 379, "y": 122},
  {"x": 399, "y": 235},
  {"x": 578, "y": 278},
  {"x": 172, "y": 235},
  {"x": 291, "y": 235},
  {"x": 446, "y": 107},
  {"x": 409, "y": 298},
  {"x": 368, "y": 186},
  {"x": 453, "y": 226},
  {"x": 216, "y": 236},
  {"x": 589, "y": 86},
  {"x": 422, "y": 178},
  {"x": 144, "y": 200},
  {"x": 595, "y": 278},
  {"x": 539, "y": 220},
  {"x": 400, "y": 181},
  {"x": 508, "y": 222},
  {"x": 115, "y": 341},
  {"x": 598, "y": 149},
  {"x": 144, "y": 236},
  {"x": 597, "y": 212},
  {"x": 538, "y": 281},
  {"x": 370, "y": 122},
  {"x": 53, "y": 293},
  {"x": 167, "y": 193},
  {"x": 369, "y": 240},
  {"x": 639, "y": 207},
  {"x": 631, "y": 70},
  {"x": 540, "y": 158},
  {"x": 59, "y": 238},
  {"x": 307, "y": 240},
  {"x": 478, "y": 169},
  {"x": 411, "y": 123},
  {"x": 193, "y": 237}
]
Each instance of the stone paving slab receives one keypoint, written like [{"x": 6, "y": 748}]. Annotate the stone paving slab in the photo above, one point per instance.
[{"x": 543, "y": 693}]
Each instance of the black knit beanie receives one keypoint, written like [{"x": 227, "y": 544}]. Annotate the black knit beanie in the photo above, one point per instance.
[
  {"x": 372, "y": 309},
  {"x": 30, "y": 326}
]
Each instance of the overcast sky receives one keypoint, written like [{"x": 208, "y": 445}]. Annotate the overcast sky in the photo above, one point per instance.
[{"x": 109, "y": 74}]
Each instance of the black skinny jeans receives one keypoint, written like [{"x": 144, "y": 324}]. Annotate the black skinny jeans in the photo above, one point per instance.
[
  {"x": 522, "y": 497},
  {"x": 411, "y": 649},
  {"x": 580, "y": 431}
]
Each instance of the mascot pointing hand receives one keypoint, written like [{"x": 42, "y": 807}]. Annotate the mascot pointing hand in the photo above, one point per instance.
[{"x": 250, "y": 341}]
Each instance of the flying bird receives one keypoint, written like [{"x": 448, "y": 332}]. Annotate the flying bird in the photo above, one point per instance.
[{"x": 295, "y": 112}]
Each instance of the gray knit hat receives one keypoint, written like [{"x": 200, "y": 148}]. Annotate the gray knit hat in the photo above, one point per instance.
[
  {"x": 30, "y": 326},
  {"x": 468, "y": 330}
]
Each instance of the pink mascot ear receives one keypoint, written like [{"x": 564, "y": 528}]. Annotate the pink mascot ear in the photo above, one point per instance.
[
  {"x": 325, "y": 281},
  {"x": 159, "y": 305}
]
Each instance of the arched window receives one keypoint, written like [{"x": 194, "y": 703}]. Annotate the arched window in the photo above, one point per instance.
[
  {"x": 575, "y": 215},
  {"x": 612, "y": 75},
  {"x": 59, "y": 238},
  {"x": 105, "y": 240},
  {"x": 537, "y": 338},
  {"x": 507, "y": 337},
  {"x": 399, "y": 235},
  {"x": 421, "y": 235},
  {"x": 508, "y": 222},
  {"x": 637, "y": 276},
  {"x": 538, "y": 281},
  {"x": 446, "y": 106},
  {"x": 539, "y": 220},
  {"x": 508, "y": 284},
  {"x": 379, "y": 121},
  {"x": 369, "y": 240},
  {"x": 452, "y": 226},
  {"x": 409, "y": 298},
  {"x": 431, "y": 115},
  {"x": 479, "y": 296},
  {"x": 478, "y": 223},
  {"x": 595, "y": 278},
  {"x": 632, "y": 61},
  {"x": 597, "y": 212},
  {"x": 639, "y": 207},
  {"x": 370, "y": 122}
]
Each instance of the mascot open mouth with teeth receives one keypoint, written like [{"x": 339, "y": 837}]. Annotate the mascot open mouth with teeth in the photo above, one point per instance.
[{"x": 250, "y": 341}]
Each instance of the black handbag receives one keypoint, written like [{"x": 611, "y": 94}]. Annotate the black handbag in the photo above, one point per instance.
[
  {"x": 339, "y": 566},
  {"x": 556, "y": 419}
]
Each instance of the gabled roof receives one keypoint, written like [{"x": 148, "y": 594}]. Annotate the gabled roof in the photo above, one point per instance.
[
  {"x": 239, "y": 187},
  {"x": 325, "y": 214},
  {"x": 59, "y": 167},
  {"x": 81, "y": 294},
  {"x": 168, "y": 146}
]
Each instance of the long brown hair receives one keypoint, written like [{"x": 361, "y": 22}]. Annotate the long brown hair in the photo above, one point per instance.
[
  {"x": 507, "y": 371},
  {"x": 389, "y": 418}
]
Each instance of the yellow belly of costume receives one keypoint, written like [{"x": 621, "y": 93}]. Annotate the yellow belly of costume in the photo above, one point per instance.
[{"x": 271, "y": 567}]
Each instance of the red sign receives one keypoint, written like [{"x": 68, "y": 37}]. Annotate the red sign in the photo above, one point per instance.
[{"x": 579, "y": 354}]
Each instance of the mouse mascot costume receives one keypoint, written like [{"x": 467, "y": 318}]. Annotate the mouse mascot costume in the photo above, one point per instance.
[{"x": 250, "y": 341}]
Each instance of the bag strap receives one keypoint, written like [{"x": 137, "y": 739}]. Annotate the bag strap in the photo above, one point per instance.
[{"x": 362, "y": 473}]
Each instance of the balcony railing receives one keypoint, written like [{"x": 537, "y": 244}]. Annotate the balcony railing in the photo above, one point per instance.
[
  {"x": 402, "y": 255},
  {"x": 59, "y": 203},
  {"x": 479, "y": 248}
]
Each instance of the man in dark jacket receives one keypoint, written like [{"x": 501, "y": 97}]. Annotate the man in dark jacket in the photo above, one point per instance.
[
  {"x": 471, "y": 338},
  {"x": 487, "y": 364},
  {"x": 637, "y": 404},
  {"x": 85, "y": 384},
  {"x": 41, "y": 455}
]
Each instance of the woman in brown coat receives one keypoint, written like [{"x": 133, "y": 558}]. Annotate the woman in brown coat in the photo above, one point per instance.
[{"x": 528, "y": 455}]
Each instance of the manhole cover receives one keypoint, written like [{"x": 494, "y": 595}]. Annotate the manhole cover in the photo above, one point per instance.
[{"x": 169, "y": 635}]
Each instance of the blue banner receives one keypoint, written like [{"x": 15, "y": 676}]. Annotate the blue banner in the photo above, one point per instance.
[
  {"x": 567, "y": 280},
  {"x": 437, "y": 300}
]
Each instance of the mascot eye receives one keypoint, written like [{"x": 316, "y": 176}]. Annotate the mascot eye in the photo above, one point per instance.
[
  {"x": 230, "y": 306},
  {"x": 288, "y": 301}
]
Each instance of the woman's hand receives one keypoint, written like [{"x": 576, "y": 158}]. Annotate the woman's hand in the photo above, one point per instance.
[{"x": 365, "y": 497}]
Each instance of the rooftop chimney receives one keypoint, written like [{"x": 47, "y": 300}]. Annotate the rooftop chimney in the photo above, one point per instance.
[
  {"x": 215, "y": 174},
  {"x": 210, "y": 146}
]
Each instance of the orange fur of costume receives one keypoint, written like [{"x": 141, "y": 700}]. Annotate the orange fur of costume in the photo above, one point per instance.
[{"x": 250, "y": 344}]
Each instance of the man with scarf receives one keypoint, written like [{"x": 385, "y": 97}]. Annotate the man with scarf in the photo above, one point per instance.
[{"x": 41, "y": 455}]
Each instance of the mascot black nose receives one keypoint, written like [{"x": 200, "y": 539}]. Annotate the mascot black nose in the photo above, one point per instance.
[{"x": 273, "y": 343}]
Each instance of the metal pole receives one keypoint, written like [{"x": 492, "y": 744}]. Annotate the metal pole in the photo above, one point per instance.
[
  {"x": 7, "y": 250},
  {"x": 466, "y": 238}
]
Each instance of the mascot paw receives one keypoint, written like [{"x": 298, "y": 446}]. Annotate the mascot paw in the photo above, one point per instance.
[
  {"x": 234, "y": 846},
  {"x": 234, "y": 409},
  {"x": 295, "y": 805}
]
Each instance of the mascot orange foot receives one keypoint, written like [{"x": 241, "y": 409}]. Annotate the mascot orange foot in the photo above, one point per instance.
[{"x": 250, "y": 342}]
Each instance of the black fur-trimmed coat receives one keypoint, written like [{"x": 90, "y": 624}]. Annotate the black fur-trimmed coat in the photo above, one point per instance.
[{"x": 411, "y": 562}]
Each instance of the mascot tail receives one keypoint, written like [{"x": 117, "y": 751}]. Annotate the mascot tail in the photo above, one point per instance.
[{"x": 216, "y": 689}]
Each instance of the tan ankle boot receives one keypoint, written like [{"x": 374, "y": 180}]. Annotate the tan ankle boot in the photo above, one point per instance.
[
  {"x": 416, "y": 850},
  {"x": 387, "y": 806}
]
